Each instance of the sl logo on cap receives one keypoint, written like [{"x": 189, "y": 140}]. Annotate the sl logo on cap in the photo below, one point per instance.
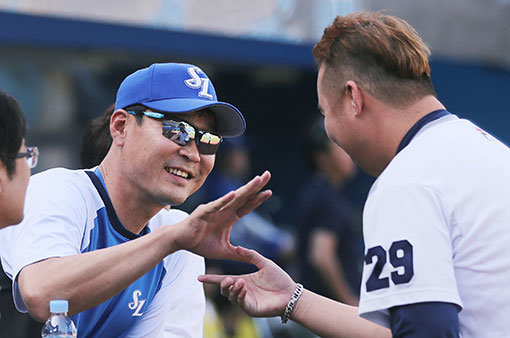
[{"x": 196, "y": 82}]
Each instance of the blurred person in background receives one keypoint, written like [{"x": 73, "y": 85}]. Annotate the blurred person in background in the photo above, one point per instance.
[
  {"x": 329, "y": 237},
  {"x": 16, "y": 160},
  {"x": 101, "y": 238},
  {"x": 97, "y": 139},
  {"x": 435, "y": 223},
  {"x": 255, "y": 230}
]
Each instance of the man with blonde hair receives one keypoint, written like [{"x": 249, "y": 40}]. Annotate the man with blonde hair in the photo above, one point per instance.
[{"x": 436, "y": 219}]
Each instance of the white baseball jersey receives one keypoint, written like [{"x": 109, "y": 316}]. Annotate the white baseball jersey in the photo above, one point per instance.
[
  {"x": 437, "y": 228},
  {"x": 66, "y": 215}
]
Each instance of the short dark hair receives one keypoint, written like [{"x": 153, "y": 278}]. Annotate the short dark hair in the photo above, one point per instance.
[
  {"x": 138, "y": 109},
  {"x": 13, "y": 129},
  {"x": 97, "y": 140},
  {"x": 382, "y": 53}
]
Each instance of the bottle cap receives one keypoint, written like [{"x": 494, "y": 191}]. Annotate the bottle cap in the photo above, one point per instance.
[{"x": 59, "y": 306}]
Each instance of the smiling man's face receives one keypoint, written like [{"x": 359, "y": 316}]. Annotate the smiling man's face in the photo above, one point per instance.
[{"x": 164, "y": 171}]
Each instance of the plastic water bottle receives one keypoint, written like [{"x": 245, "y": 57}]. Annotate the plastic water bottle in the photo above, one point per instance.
[{"x": 59, "y": 325}]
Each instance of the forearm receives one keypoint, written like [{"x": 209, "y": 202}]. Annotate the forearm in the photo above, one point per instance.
[
  {"x": 328, "y": 318},
  {"x": 89, "y": 279}
]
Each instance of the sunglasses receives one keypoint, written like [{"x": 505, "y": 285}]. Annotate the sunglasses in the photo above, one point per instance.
[
  {"x": 182, "y": 133},
  {"x": 31, "y": 155}
]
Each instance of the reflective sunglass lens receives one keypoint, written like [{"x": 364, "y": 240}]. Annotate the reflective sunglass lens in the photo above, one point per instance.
[
  {"x": 208, "y": 149},
  {"x": 182, "y": 133},
  {"x": 177, "y": 132}
]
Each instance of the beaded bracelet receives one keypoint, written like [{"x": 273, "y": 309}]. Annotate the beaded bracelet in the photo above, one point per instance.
[{"x": 292, "y": 303}]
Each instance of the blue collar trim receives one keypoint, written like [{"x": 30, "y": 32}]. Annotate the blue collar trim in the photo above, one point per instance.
[{"x": 436, "y": 114}]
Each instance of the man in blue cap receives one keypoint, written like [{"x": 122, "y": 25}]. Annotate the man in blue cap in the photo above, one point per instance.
[{"x": 105, "y": 239}]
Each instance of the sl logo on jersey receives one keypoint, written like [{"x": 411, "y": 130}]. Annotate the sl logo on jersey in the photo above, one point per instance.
[
  {"x": 196, "y": 82},
  {"x": 136, "y": 303}
]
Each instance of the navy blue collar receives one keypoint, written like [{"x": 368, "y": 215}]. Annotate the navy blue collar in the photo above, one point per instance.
[
  {"x": 420, "y": 124},
  {"x": 97, "y": 179}
]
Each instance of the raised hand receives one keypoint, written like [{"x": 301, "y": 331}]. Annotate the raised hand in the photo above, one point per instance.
[
  {"x": 264, "y": 293},
  {"x": 206, "y": 231}
]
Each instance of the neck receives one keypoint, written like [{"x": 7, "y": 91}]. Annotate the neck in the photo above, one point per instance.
[
  {"x": 133, "y": 212},
  {"x": 395, "y": 123}
]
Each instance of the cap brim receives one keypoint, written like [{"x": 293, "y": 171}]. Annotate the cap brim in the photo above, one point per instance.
[{"x": 229, "y": 120}]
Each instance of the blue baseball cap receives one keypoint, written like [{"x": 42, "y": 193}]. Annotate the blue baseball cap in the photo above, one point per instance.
[{"x": 179, "y": 88}]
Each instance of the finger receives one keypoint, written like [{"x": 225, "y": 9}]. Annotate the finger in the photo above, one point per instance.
[
  {"x": 252, "y": 257},
  {"x": 225, "y": 286},
  {"x": 212, "y": 279},
  {"x": 231, "y": 297},
  {"x": 218, "y": 204},
  {"x": 241, "y": 295},
  {"x": 233, "y": 293},
  {"x": 265, "y": 177},
  {"x": 254, "y": 203},
  {"x": 246, "y": 191},
  {"x": 235, "y": 290},
  {"x": 239, "y": 284}
]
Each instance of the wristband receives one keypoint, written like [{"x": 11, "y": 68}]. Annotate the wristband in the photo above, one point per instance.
[{"x": 292, "y": 303}]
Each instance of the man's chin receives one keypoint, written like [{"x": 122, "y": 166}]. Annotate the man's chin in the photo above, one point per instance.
[{"x": 172, "y": 202}]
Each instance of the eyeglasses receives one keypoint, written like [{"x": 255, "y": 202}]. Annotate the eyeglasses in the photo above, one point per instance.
[
  {"x": 32, "y": 156},
  {"x": 182, "y": 133}
]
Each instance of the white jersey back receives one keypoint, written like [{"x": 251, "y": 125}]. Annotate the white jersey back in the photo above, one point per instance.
[{"x": 437, "y": 228}]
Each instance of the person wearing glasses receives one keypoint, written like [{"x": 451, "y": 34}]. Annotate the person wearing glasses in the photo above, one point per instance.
[
  {"x": 104, "y": 238},
  {"x": 436, "y": 220},
  {"x": 16, "y": 160}
]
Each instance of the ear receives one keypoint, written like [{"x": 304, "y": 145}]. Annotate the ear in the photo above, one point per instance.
[
  {"x": 118, "y": 126},
  {"x": 355, "y": 95}
]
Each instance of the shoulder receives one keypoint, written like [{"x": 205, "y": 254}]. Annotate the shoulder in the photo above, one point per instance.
[
  {"x": 59, "y": 184},
  {"x": 60, "y": 177},
  {"x": 439, "y": 155}
]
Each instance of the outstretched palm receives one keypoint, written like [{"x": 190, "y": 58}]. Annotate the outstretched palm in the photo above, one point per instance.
[
  {"x": 264, "y": 293},
  {"x": 206, "y": 231}
]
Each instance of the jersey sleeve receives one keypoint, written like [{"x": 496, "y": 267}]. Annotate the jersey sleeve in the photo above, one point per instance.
[
  {"x": 408, "y": 251},
  {"x": 179, "y": 306},
  {"x": 53, "y": 226},
  {"x": 422, "y": 320}
]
